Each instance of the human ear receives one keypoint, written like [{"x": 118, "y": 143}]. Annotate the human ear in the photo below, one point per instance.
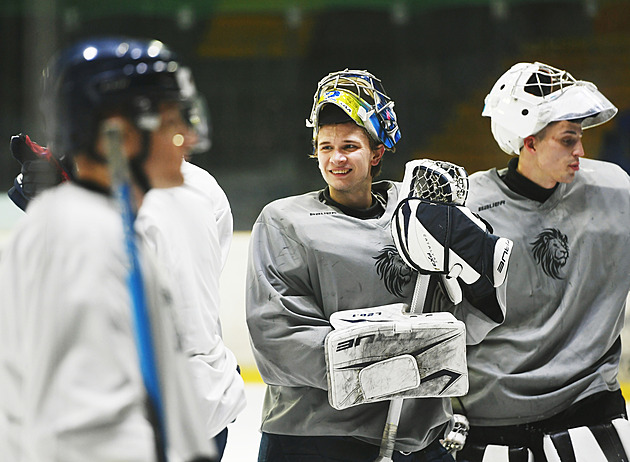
[
  {"x": 529, "y": 143},
  {"x": 377, "y": 154}
]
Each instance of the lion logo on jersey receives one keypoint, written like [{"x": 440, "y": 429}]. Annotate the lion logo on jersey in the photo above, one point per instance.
[
  {"x": 393, "y": 270},
  {"x": 551, "y": 251}
]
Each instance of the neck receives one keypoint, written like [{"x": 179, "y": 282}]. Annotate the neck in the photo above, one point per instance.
[
  {"x": 524, "y": 186},
  {"x": 90, "y": 171},
  {"x": 355, "y": 200},
  {"x": 376, "y": 210},
  {"x": 164, "y": 174},
  {"x": 530, "y": 170}
]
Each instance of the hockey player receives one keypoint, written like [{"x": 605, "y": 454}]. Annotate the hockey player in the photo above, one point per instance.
[
  {"x": 188, "y": 224},
  {"x": 322, "y": 252},
  {"x": 543, "y": 386},
  {"x": 186, "y": 219},
  {"x": 71, "y": 387}
]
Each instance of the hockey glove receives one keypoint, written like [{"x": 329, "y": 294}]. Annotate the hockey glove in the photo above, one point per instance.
[
  {"x": 449, "y": 239},
  {"x": 40, "y": 170}
]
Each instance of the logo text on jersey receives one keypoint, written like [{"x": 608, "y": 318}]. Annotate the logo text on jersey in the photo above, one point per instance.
[
  {"x": 322, "y": 213},
  {"x": 491, "y": 205}
]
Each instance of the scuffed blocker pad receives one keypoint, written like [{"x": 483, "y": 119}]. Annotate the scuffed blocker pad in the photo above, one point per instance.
[{"x": 419, "y": 356}]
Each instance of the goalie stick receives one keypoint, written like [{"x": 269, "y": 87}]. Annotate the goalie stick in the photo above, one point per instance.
[
  {"x": 435, "y": 181},
  {"x": 122, "y": 189}
]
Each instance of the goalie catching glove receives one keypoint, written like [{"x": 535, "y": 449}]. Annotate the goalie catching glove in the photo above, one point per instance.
[
  {"x": 448, "y": 239},
  {"x": 377, "y": 354},
  {"x": 435, "y": 233}
]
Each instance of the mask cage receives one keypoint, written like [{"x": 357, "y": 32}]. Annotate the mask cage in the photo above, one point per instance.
[{"x": 546, "y": 81}]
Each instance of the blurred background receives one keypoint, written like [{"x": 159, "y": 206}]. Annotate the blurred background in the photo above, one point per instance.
[{"x": 258, "y": 63}]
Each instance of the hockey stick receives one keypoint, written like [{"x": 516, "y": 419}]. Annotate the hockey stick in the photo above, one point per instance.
[
  {"x": 122, "y": 188},
  {"x": 435, "y": 181},
  {"x": 395, "y": 405}
]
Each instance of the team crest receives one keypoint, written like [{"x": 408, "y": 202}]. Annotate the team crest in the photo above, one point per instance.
[
  {"x": 393, "y": 270},
  {"x": 551, "y": 251}
]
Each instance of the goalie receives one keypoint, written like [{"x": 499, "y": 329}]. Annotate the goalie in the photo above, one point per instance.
[
  {"x": 544, "y": 387},
  {"x": 314, "y": 258}
]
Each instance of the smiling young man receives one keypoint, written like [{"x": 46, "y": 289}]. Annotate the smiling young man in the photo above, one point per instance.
[
  {"x": 346, "y": 158},
  {"x": 322, "y": 252},
  {"x": 543, "y": 385}
]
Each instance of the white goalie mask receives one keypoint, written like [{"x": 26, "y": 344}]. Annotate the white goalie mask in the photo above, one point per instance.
[
  {"x": 362, "y": 97},
  {"x": 529, "y": 96}
]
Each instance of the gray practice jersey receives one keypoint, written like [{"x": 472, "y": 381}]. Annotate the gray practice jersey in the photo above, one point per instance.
[
  {"x": 307, "y": 261},
  {"x": 569, "y": 276}
]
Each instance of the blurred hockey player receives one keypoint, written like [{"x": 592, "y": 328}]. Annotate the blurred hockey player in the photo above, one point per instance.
[
  {"x": 543, "y": 386},
  {"x": 186, "y": 219},
  {"x": 323, "y": 252},
  {"x": 188, "y": 223},
  {"x": 71, "y": 380}
]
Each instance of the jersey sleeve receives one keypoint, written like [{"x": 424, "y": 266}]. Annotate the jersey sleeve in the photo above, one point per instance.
[
  {"x": 204, "y": 183},
  {"x": 225, "y": 222},
  {"x": 287, "y": 327}
]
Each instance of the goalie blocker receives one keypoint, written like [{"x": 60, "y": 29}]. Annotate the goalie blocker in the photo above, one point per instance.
[{"x": 378, "y": 354}]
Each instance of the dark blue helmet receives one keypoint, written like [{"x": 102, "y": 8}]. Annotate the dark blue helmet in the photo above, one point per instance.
[{"x": 97, "y": 76}]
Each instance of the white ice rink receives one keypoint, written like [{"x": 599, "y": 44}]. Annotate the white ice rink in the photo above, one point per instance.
[{"x": 244, "y": 434}]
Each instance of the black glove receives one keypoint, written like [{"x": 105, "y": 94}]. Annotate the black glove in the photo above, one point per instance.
[
  {"x": 40, "y": 170},
  {"x": 450, "y": 240}
]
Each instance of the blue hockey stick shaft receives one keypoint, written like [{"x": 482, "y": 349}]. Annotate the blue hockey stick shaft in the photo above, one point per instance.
[{"x": 121, "y": 186}]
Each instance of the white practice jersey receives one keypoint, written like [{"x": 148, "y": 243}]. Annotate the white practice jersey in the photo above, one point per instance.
[
  {"x": 569, "y": 277},
  {"x": 70, "y": 382},
  {"x": 308, "y": 260},
  {"x": 190, "y": 228}
]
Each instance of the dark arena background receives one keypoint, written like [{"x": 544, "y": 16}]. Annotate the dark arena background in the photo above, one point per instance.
[{"x": 258, "y": 63}]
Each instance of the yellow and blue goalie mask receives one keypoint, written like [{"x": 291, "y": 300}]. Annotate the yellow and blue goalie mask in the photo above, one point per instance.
[{"x": 361, "y": 96}]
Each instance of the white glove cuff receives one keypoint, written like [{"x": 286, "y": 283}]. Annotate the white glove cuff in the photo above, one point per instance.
[{"x": 502, "y": 252}]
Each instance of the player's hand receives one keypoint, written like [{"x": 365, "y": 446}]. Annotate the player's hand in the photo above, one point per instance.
[
  {"x": 450, "y": 240},
  {"x": 40, "y": 170}
]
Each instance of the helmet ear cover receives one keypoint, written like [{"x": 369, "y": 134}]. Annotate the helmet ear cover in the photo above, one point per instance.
[
  {"x": 529, "y": 96},
  {"x": 361, "y": 96}
]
